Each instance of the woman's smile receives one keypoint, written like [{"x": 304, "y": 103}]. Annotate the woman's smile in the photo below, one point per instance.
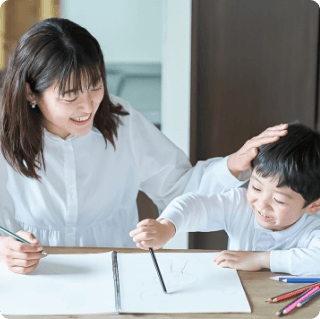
[{"x": 82, "y": 120}]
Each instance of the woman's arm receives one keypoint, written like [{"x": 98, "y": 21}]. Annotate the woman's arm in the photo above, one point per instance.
[{"x": 165, "y": 171}]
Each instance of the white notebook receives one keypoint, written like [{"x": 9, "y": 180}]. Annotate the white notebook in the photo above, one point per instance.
[{"x": 71, "y": 284}]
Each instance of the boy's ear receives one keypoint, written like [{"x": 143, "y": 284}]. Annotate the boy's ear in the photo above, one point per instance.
[
  {"x": 30, "y": 96},
  {"x": 314, "y": 207}
]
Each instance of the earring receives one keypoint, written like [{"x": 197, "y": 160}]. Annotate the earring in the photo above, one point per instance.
[{"x": 33, "y": 104}]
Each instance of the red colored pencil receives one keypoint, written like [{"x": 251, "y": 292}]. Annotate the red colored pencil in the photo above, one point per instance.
[{"x": 293, "y": 293}]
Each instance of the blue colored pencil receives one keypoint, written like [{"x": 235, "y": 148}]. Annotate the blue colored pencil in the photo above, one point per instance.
[{"x": 295, "y": 279}]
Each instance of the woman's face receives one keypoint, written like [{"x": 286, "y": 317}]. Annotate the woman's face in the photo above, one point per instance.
[{"x": 72, "y": 113}]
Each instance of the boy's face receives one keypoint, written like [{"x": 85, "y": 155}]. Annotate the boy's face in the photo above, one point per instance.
[{"x": 276, "y": 208}]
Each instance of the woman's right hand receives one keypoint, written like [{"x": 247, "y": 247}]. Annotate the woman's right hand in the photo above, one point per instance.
[{"x": 20, "y": 258}]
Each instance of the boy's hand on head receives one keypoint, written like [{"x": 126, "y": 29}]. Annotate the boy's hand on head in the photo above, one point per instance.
[
  {"x": 151, "y": 233},
  {"x": 240, "y": 161},
  {"x": 243, "y": 260}
]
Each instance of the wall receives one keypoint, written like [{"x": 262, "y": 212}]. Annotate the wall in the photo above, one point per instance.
[
  {"x": 128, "y": 31},
  {"x": 176, "y": 81}
]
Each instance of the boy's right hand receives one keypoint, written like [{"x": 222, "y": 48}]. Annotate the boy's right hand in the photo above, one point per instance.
[
  {"x": 151, "y": 233},
  {"x": 20, "y": 258}
]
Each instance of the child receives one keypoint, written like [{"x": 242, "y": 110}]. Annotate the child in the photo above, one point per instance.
[{"x": 272, "y": 224}]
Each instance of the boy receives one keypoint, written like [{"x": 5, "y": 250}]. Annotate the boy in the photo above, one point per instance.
[{"x": 272, "y": 224}]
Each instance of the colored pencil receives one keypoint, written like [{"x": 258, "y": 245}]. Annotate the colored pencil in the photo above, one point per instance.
[
  {"x": 158, "y": 270},
  {"x": 18, "y": 238},
  {"x": 302, "y": 298},
  {"x": 315, "y": 295},
  {"x": 295, "y": 279},
  {"x": 280, "y": 312},
  {"x": 292, "y": 293}
]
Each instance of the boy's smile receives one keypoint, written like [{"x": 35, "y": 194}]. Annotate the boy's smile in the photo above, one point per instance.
[{"x": 276, "y": 208}]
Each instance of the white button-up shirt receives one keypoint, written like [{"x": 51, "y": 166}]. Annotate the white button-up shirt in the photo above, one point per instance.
[
  {"x": 87, "y": 195},
  {"x": 295, "y": 250}
]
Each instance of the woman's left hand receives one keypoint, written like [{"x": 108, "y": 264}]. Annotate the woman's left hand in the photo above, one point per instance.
[
  {"x": 243, "y": 260},
  {"x": 240, "y": 161}
]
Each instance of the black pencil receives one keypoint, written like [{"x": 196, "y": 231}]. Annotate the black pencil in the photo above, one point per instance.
[{"x": 157, "y": 269}]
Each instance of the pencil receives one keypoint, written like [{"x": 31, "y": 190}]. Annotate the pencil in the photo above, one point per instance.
[
  {"x": 303, "y": 297},
  {"x": 295, "y": 279},
  {"x": 157, "y": 269},
  {"x": 280, "y": 312},
  {"x": 15, "y": 236},
  {"x": 292, "y": 293},
  {"x": 316, "y": 294}
]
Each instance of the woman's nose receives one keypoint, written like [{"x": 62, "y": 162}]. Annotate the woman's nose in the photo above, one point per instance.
[{"x": 86, "y": 102}]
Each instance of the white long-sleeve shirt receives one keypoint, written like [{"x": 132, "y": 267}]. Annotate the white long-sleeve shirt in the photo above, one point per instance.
[
  {"x": 295, "y": 250},
  {"x": 87, "y": 195}
]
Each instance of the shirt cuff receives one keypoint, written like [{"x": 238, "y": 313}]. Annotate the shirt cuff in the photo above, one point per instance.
[
  {"x": 226, "y": 178},
  {"x": 280, "y": 261},
  {"x": 174, "y": 218}
]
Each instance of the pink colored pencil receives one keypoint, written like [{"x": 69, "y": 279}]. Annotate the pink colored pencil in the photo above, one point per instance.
[{"x": 306, "y": 296}]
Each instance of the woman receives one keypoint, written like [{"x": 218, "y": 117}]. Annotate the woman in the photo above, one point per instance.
[{"x": 74, "y": 158}]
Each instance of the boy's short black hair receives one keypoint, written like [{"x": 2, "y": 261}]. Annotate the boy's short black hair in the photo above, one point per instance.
[{"x": 295, "y": 160}]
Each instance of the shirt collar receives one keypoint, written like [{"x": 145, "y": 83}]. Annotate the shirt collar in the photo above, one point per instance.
[
  {"x": 282, "y": 234},
  {"x": 56, "y": 137}
]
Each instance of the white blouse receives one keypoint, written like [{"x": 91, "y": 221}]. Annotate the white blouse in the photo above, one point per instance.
[{"x": 87, "y": 194}]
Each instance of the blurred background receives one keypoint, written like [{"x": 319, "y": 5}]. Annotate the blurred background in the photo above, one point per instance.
[{"x": 210, "y": 74}]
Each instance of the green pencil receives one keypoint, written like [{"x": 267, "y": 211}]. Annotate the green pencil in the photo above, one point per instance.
[{"x": 15, "y": 236}]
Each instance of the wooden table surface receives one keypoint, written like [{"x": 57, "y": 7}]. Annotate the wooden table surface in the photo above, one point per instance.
[{"x": 257, "y": 286}]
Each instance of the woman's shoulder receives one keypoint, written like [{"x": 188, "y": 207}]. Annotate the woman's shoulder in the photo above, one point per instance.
[
  {"x": 135, "y": 118},
  {"x": 116, "y": 100}
]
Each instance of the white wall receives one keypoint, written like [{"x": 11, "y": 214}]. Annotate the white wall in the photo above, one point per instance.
[
  {"x": 176, "y": 80},
  {"x": 128, "y": 31}
]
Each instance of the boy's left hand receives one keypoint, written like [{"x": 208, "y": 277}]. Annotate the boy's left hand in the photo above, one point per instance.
[{"x": 243, "y": 260}]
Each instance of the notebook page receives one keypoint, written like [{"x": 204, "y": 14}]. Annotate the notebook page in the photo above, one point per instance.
[
  {"x": 62, "y": 284},
  {"x": 194, "y": 284}
]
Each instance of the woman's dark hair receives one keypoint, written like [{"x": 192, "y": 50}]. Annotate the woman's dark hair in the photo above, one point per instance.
[
  {"x": 295, "y": 160},
  {"x": 52, "y": 51}
]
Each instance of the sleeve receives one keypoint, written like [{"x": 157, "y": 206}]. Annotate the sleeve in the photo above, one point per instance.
[
  {"x": 165, "y": 171},
  {"x": 299, "y": 261},
  {"x": 195, "y": 212}
]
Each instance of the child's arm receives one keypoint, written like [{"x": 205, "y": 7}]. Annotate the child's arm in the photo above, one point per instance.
[
  {"x": 243, "y": 260},
  {"x": 299, "y": 261},
  {"x": 192, "y": 212},
  {"x": 151, "y": 233}
]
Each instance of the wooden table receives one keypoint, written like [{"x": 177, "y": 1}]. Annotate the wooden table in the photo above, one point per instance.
[{"x": 257, "y": 286}]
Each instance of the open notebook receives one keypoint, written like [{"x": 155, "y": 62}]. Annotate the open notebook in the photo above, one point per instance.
[{"x": 85, "y": 284}]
